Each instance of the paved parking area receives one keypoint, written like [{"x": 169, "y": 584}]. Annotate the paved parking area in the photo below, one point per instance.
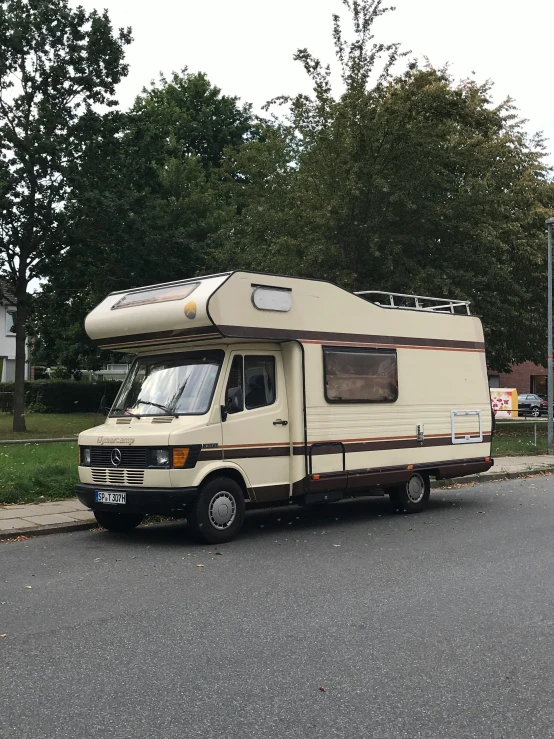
[{"x": 342, "y": 622}]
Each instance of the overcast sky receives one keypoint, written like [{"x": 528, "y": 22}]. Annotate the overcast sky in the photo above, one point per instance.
[{"x": 246, "y": 46}]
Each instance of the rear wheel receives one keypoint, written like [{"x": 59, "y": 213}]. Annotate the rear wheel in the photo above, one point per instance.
[
  {"x": 412, "y": 496},
  {"x": 535, "y": 412},
  {"x": 218, "y": 514},
  {"x": 120, "y": 522}
]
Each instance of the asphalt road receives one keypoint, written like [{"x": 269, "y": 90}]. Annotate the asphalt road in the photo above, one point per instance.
[{"x": 439, "y": 625}]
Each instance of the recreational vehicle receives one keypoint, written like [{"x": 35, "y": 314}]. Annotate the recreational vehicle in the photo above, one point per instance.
[{"x": 253, "y": 389}]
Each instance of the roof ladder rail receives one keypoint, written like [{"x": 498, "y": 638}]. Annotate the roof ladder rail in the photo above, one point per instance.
[{"x": 405, "y": 301}]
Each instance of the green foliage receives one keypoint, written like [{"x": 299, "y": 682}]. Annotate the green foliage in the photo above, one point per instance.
[
  {"x": 150, "y": 196},
  {"x": 58, "y": 65},
  {"x": 60, "y": 373},
  {"x": 409, "y": 183},
  {"x": 50, "y": 425},
  {"x": 516, "y": 438},
  {"x": 35, "y": 473},
  {"x": 52, "y": 396}
]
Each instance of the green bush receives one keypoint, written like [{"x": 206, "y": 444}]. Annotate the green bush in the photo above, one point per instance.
[
  {"x": 40, "y": 372},
  {"x": 65, "y": 396},
  {"x": 60, "y": 373}
]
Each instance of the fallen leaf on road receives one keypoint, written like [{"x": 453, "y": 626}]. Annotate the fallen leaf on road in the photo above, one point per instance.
[
  {"x": 322, "y": 688},
  {"x": 28, "y": 587},
  {"x": 336, "y": 545},
  {"x": 200, "y": 565},
  {"x": 3, "y": 636}
]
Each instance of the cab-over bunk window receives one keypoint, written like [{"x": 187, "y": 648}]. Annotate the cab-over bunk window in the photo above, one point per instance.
[{"x": 360, "y": 375}]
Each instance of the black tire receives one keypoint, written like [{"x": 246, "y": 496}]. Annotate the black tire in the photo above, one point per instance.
[
  {"x": 412, "y": 496},
  {"x": 218, "y": 513},
  {"x": 119, "y": 522}
]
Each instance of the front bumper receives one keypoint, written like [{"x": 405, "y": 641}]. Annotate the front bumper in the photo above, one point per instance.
[{"x": 160, "y": 501}]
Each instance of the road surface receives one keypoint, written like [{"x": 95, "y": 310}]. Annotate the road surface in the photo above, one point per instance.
[{"x": 348, "y": 622}]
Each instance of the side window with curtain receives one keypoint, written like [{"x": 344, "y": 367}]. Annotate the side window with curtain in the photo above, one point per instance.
[
  {"x": 234, "y": 395},
  {"x": 360, "y": 375},
  {"x": 259, "y": 381}
]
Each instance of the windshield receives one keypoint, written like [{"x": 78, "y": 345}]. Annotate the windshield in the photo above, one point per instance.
[{"x": 180, "y": 384}]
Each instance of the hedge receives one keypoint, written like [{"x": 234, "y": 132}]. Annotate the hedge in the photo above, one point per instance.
[{"x": 65, "y": 396}]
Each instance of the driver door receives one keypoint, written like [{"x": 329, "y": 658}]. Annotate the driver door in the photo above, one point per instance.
[{"x": 256, "y": 430}]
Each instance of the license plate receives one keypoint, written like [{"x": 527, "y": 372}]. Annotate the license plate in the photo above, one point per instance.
[{"x": 113, "y": 498}]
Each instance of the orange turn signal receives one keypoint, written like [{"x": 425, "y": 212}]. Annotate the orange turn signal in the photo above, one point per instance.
[
  {"x": 315, "y": 477},
  {"x": 180, "y": 456},
  {"x": 410, "y": 466}
]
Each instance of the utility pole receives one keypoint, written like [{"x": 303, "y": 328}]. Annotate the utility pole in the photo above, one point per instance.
[{"x": 550, "y": 224}]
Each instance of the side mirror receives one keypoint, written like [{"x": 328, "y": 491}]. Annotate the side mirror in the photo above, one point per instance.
[
  {"x": 224, "y": 413},
  {"x": 235, "y": 402}
]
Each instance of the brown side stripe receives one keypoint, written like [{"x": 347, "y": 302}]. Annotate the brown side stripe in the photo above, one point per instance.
[
  {"x": 319, "y": 337},
  {"x": 248, "y": 453},
  {"x": 247, "y": 332},
  {"x": 203, "y": 332},
  {"x": 351, "y": 447},
  {"x": 381, "y": 445}
]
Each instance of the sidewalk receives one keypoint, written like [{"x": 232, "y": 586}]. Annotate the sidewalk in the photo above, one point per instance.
[
  {"x": 71, "y": 515},
  {"x": 62, "y": 515},
  {"x": 506, "y": 468}
]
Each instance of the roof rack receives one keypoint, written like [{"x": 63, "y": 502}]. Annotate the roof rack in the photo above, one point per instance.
[{"x": 415, "y": 302}]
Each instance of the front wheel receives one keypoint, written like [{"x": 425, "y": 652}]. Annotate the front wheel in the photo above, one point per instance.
[
  {"x": 411, "y": 497},
  {"x": 119, "y": 522},
  {"x": 218, "y": 514}
]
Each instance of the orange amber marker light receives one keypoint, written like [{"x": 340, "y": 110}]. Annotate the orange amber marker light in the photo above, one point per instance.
[
  {"x": 180, "y": 456},
  {"x": 487, "y": 459},
  {"x": 315, "y": 477},
  {"x": 410, "y": 467}
]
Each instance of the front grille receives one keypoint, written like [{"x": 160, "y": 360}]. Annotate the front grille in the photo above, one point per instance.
[
  {"x": 131, "y": 457},
  {"x": 118, "y": 477}
]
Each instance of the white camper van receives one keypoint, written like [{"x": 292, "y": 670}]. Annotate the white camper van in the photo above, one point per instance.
[{"x": 253, "y": 389}]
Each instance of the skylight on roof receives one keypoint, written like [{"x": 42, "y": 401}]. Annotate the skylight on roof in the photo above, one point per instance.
[{"x": 155, "y": 295}]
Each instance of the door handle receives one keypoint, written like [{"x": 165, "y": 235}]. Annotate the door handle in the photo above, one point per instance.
[{"x": 278, "y": 422}]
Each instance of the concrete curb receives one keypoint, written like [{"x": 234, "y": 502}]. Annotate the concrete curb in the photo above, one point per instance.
[
  {"x": 494, "y": 477},
  {"x": 53, "y": 528},
  {"x": 64, "y": 528}
]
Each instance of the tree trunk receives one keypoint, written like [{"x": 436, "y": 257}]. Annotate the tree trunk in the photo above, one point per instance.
[{"x": 20, "y": 346}]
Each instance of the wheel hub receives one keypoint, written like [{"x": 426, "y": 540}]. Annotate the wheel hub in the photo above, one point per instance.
[
  {"x": 222, "y": 510},
  {"x": 415, "y": 488}
]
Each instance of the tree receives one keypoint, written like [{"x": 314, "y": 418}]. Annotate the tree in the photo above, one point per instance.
[
  {"x": 150, "y": 195},
  {"x": 409, "y": 182},
  {"x": 58, "y": 66}
]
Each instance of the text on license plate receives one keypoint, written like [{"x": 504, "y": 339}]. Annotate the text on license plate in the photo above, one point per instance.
[{"x": 117, "y": 498}]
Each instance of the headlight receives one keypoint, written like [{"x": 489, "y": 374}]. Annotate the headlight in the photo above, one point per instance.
[
  {"x": 85, "y": 456},
  {"x": 160, "y": 457}
]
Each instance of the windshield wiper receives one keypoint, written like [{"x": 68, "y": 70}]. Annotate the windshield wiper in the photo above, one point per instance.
[{"x": 168, "y": 411}]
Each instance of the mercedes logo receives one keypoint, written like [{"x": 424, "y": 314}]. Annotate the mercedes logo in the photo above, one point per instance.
[{"x": 116, "y": 457}]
